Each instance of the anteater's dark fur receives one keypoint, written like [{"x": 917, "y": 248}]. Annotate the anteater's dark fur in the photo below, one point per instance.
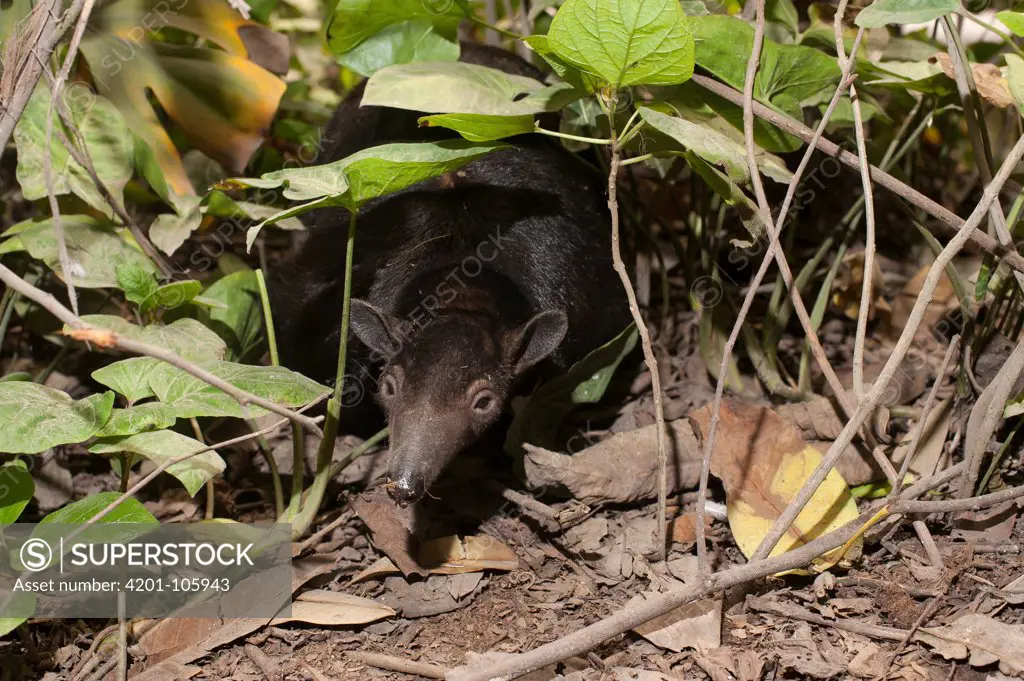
[{"x": 454, "y": 339}]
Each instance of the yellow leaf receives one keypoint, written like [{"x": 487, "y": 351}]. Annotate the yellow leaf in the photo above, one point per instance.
[{"x": 763, "y": 462}]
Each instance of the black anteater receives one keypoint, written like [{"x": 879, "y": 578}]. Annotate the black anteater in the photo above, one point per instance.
[{"x": 461, "y": 284}]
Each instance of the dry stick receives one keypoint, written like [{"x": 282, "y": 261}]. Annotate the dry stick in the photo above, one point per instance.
[
  {"x": 923, "y": 533},
  {"x": 397, "y": 664},
  {"x": 641, "y": 327},
  {"x": 107, "y": 338},
  {"x": 774, "y": 232},
  {"x": 869, "y": 213},
  {"x": 56, "y": 90},
  {"x": 866, "y": 404},
  {"x": 24, "y": 83},
  {"x": 949, "y": 220},
  {"x": 504, "y": 667},
  {"x": 794, "y": 611}
]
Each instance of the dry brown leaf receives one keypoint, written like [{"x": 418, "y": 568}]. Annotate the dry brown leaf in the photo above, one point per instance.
[
  {"x": 849, "y": 280},
  {"x": 942, "y": 302},
  {"x": 731, "y": 664},
  {"x": 992, "y": 86},
  {"x": 984, "y": 639},
  {"x": 382, "y": 567},
  {"x": 452, "y": 555},
  {"x": 389, "y": 526},
  {"x": 620, "y": 469},
  {"x": 683, "y": 529},
  {"x": 763, "y": 462},
  {"x": 695, "y": 625},
  {"x": 333, "y": 608},
  {"x": 929, "y": 454},
  {"x": 629, "y": 674}
]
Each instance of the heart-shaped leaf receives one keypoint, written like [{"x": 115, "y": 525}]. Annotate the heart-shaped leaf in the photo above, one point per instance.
[
  {"x": 138, "y": 419},
  {"x": 165, "y": 445},
  {"x": 186, "y": 338},
  {"x": 36, "y": 418},
  {"x": 192, "y": 397},
  {"x": 240, "y": 321},
  {"x": 129, "y": 377},
  {"x": 404, "y": 43},
  {"x": 95, "y": 249},
  {"x": 625, "y": 42},
  {"x": 128, "y": 512},
  {"x": 107, "y": 143}
]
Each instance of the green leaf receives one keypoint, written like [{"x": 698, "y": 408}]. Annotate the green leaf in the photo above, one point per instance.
[
  {"x": 625, "y": 42},
  {"x": 170, "y": 230},
  {"x": 16, "y": 490},
  {"x": 36, "y": 418},
  {"x": 95, "y": 249},
  {"x": 240, "y": 321},
  {"x": 172, "y": 295},
  {"x": 1015, "y": 78},
  {"x": 186, "y": 338},
  {"x": 138, "y": 419},
  {"x": 790, "y": 76},
  {"x": 129, "y": 377},
  {"x": 714, "y": 146},
  {"x": 883, "y": 12},
  {"x": 355, "y": 21},
  {"x": 137, "y": 282},
  {"x": 457, "y": 87},
  {"x": 166, "y": 445},
  {"x": 107, "y": 141},
  {"x": 404, "y": 43},
  {"x": 538, "y": 417},
  {"x": 370, "y": 174},
  {"x": 1012, "y": 20},
  {"x": 730, "y": 192},
  {"x": 480, "y": 128},
  {"x": 130, "y": 511},
  {"x": 587, "y": 82},
  {"x": 192, "y": 397}
]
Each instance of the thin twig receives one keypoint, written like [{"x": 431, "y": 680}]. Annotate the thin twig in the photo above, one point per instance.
[
  {"x": 869, "y": 212},
  {"x": 951, "y": 222},
  {"x": 867, "y": 403},
  {"x": 397, "y": 664},
  {"x": 641, "y": 327}
]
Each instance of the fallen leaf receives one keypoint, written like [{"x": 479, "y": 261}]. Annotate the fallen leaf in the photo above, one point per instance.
[
  {"x": 620, "y": 469},
  {"x": 991, "y": 525},
  {"x": 930, "y": 450},
  {"x": 730, "y": 664},
  {"x": 992, "y": 87},
  {"x": 696, "y": 625},
  {"x": 943, "y": 301},
  {"x": 421, "y": 599},
  {"x": 1013, "y": 592},
  {"x": 633, "y": 674},
  {"x": 868, "y": 663},
  {"x": 333, "y": 608},
  {"x": 984, "y": 639},
  {"x": 390, "y": 527},
  {"x": 684, "y": 528},
  {"x": 461, "y": 585},
  {"x": 452, "y": 555},
  {"x": 763, "y": 462},
  {"x": 382, "y": 567}
]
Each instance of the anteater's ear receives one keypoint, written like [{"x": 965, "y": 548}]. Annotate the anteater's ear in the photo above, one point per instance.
[
  {"x": 537, "y": 338},
  {"x": 374, "y": 327}
]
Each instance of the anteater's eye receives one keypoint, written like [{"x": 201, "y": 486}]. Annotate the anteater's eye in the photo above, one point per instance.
[
  {"x": 483, "y": 401},
  {"x": 388, "y": 387}
]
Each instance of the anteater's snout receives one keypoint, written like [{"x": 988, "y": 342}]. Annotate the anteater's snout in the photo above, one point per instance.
[{"x": 405, "y": 491}]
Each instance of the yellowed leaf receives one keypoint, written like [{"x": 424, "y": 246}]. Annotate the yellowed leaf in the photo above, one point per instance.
[
  {"x": 333, "y": 608},
  {"x": 763, "y": 462},
  {"x": 452, "y": 555},
  {"x": 382, "y": 567}
]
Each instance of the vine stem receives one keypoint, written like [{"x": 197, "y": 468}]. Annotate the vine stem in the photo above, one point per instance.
[
  {"x": 641, "y": 327},
  {"x": 325, "y": 451},
  {"x": 275, "y": 360}
]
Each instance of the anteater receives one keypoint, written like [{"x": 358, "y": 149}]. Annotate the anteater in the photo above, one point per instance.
[{"x": 461, "y": 284}]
